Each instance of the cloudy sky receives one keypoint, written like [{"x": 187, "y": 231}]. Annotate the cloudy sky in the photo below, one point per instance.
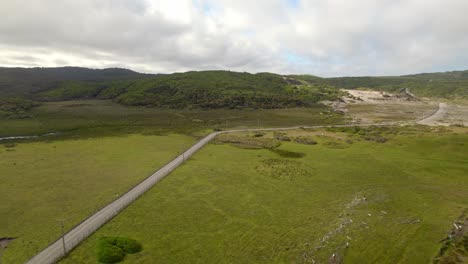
[{"x": 321, "y": 37}]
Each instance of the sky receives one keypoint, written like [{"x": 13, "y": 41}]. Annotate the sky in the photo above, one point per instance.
[{"x": 319, "y": 37}]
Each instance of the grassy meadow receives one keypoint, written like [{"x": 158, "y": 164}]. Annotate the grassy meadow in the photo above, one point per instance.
[
  {"x": 103, "y": 117},
  {"x": 350, "y": 197},
  {"x": 99, "y": 150},
  {"x": 44, "y": 181}
]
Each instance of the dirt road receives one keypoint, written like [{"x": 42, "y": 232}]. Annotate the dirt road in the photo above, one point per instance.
[{"x": 436, "y": 117}]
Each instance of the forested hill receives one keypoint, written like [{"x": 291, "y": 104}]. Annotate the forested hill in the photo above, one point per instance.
[
  {"x": 206, "y": 89},
  {"x": 210, "y": 89},
  {"x": 26, "y": 81}
]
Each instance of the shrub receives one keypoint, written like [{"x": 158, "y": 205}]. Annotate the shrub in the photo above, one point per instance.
[
  {"x": 108, "y": 253},
  {"x": 305, "y": 140},
  {"x": 113, "y": 249},
  {"x": 281, "y": 136},
  {"x": 248, "y": 142},
  {"x": 378, "y": 139},
  {"x": 288, "y": 154},
  {"x": 128, "y": 245},
  {"x": 259, "y": 134}
]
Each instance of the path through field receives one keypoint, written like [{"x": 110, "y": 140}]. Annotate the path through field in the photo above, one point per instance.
[
  {"x": 71, "y": 239},
  {"x": 436, "y": 117}
]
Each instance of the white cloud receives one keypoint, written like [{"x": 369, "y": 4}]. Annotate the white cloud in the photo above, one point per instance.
[{"x": 324, "y": 37}]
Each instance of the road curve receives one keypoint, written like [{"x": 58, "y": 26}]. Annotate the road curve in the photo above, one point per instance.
[
  {"x": 72, "y": 238},
  {"x": 438, "y": 115}
]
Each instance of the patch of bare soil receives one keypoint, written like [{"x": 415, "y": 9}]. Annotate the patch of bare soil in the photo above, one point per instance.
[
  {"x": 4, "y": 241},
  {"x": 454, "y": 247},
  {"x": 374, "y": 106},
  {"x": 358, "y": 96},
  {"x": 338, "y": 230}
]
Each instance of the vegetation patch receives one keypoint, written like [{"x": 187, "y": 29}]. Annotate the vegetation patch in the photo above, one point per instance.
[
  {"x": 248, "y": 142},
  {"x": 281, "y": 136},
  {"x": 259, "y": 134},
  {"x": 373, "y": 133},
  {"x": 16, "y": 107},
  {"x": 114, "y": 249},
  {"x": 9, "y": 145},
  {"x": 288, "y": 154},
  {"x": 282, "y": 169},
  {"x": 305, "y": 140},
  {"x": 335, "y": 145}
]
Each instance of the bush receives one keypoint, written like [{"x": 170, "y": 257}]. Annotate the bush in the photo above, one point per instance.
[
  {"x": 378, "y": 139},
  {"x": 108, "y": 253},
  {"x": 305, "y": 140},
  {"x": 113, "y": 249},
  {"x": 288, "y": 154},
  {"x": 281, "y": 136},
  {"x": 128, "y": 245}
]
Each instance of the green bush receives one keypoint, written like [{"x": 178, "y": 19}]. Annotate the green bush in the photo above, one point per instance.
[
  {"x": 128, "y": 245},
  {"x": 288, "y": 154},
  {"x": 305, "y": 140},
  {"x": 108, "y": 253},
  {"x": 113, "y": 249},
  {"x": 281, "y": 136}
]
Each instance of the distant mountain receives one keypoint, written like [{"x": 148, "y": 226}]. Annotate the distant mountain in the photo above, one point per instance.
[{"x": 25, "y": 81}]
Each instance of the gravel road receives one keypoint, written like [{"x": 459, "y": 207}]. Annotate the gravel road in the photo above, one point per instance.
[{"x": 437, "y": 116}]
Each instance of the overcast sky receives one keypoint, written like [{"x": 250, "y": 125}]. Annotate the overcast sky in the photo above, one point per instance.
[{"x": 320, "y": 37}]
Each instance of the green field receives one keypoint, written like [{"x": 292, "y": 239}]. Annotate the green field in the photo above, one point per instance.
[
  {"x": 86, "y": 118},
  {"x": 392, "y": 202},
  {"x": 42, "y": 182}
]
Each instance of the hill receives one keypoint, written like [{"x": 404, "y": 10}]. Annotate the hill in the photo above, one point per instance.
[
  {"x": 449, "y": 85},
  {"x": 206, "y": 89},
  {"x": 210, "y": 89},
  {"x": 27, "y": 81}
]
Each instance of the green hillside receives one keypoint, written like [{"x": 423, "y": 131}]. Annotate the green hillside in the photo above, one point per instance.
[
  {"x": 220, "y": 89},
  {"x": 449, "y": 85},
  {"x": 207, "y": 90},
  {"x": 211, "y": 89},
  {"x": 27, "y": 81}
]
